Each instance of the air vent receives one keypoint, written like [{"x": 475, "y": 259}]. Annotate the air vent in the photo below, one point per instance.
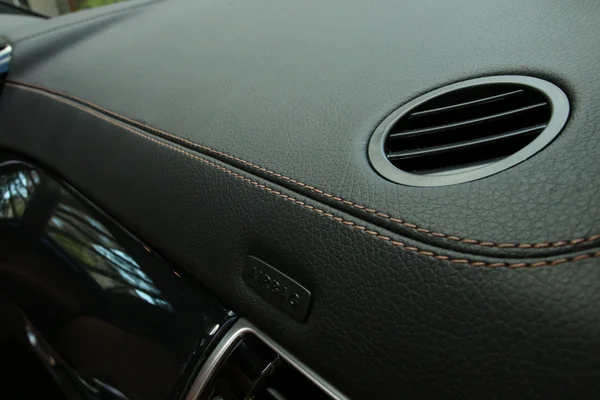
[
  {"x": 468, "y": 130},
  {"x": 248, "y": 365}
]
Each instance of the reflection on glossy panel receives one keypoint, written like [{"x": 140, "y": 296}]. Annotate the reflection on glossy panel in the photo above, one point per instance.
[
  {"x": 85, "y": 239},
  {"x": 16, "y": 189},
  {"x": 107, "y": 316}
]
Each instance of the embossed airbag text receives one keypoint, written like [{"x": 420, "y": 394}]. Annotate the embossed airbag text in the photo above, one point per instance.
[{"x": 276, "y": 287}]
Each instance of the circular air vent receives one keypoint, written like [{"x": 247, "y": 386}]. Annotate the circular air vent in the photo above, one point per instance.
[{"x": 468, "y": 130}]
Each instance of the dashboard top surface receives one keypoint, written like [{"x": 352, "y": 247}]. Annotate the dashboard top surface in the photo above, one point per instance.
[
  {"x": 219, "y": 130},
  {"x": 297, "y": 88}
]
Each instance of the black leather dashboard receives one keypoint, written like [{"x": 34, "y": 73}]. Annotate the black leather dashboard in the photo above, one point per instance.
[{"x": 217, "y": 130}]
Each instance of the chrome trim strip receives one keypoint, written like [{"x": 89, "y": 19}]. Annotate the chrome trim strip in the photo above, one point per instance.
[{"x": 238, "y": 331}]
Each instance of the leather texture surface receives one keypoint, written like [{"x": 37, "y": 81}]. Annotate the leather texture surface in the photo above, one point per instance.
[
  {"x": 12, "y": 22},
  {"x": 276, "y": 103},
  {"x": 390, "y": 316},
  {"x": 298, "y": 87}
]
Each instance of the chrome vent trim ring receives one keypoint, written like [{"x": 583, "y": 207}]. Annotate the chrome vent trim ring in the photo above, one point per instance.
[
  {"x": 236, "y": 333},
  {"x": 380, "y": 159}
]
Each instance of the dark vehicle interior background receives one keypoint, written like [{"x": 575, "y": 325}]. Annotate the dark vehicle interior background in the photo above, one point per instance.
[{"x": 222, "y": 200}]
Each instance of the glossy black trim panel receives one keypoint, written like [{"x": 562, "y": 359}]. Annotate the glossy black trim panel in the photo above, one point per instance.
[{"x": 108, "y": 317}]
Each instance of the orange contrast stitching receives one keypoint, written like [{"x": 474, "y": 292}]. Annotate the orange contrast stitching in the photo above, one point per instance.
[{"x": 414, "y": 227}]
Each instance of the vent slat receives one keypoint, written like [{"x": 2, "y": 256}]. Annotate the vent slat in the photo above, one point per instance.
[
  {"x": 430, "y": 151},
  {"x": 468, "y": 130},
  {"x": 472, "y": 103},
  {"x": 466, "y": 123}
]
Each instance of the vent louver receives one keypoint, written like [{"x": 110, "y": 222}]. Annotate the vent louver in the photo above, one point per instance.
[
  {"x": 248, "y": 365},
  {"x": 468, "y": 130}
]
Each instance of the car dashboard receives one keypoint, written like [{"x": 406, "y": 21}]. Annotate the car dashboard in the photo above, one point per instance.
[{"x": 210, "y": 200}]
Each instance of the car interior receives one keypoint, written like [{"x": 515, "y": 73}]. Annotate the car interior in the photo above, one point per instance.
[{"x": 289, "y": 200}]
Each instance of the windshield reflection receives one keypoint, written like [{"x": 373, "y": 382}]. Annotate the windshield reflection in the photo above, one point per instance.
[
  {"x": 81, "y": 237},
  {"x": 85, "y": 239},
  {"x": 16, "y": 189},
  {"x": 106, "y": 315}
]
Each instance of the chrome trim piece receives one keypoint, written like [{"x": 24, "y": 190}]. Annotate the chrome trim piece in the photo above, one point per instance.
[
  {"x": 237, "y": 332},
  {"x": 560, "y": 113},
  {"x": 5, "y": 56}
]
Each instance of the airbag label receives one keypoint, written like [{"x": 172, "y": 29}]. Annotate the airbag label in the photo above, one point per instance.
[{"x": 276, "y": 287}]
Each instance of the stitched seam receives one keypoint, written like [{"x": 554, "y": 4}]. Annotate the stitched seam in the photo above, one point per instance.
[
  {"x": 379, "y": 214},
  {"x": 321, "y": 212},
  {"x": 75, "y": 23}
]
